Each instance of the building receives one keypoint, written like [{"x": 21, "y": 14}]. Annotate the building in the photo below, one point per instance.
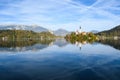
[
  {"x": 79, "y": 31},
  {"x": 51, "y": 31}
]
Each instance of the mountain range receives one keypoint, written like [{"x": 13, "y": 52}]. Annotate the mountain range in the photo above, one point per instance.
[
  {"x": 35, "y": 28},
  {"x": 60, "y": 32}
]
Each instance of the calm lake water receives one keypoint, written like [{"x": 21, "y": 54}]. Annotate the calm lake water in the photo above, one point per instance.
[{"x": 60, "y": 60}]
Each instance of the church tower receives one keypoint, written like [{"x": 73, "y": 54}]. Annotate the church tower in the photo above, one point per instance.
[{"x": 80, "y": 31}]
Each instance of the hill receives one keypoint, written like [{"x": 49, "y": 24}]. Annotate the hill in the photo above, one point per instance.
[
  {"x": 114, "y": 32},
  {"x": 61, "y": 32}
]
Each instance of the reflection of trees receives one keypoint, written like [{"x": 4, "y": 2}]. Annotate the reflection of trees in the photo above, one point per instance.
[
  {"x": 111, "y": 42},
  {"x": 81, "y": 41},
  {"x": 23, "y": 43}
]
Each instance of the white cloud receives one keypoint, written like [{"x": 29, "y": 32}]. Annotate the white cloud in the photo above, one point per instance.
[{"x": 67, "y": 14}]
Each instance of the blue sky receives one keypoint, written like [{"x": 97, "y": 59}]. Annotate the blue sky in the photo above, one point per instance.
[{"x": 67, "y": 14}]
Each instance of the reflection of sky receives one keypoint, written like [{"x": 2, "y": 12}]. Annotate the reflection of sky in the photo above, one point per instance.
[
  {"x": 53, "y": 62},
  {"x": 87, "y": 49},
  {"x": 98, "y": 49}
]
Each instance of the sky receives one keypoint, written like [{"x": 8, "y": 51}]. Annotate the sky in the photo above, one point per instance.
[{"x": 65, "y": 14}]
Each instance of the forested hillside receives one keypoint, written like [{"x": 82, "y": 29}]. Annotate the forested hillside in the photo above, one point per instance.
[
  {"x": 111, "y": 33},
  {"x": 24, "y": 35}
]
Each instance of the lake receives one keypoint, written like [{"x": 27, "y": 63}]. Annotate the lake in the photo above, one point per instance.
[{"x": 60, "y": 60}]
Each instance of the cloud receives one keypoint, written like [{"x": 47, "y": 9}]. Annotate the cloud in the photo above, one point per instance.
[{"x": 68, "y": 14}]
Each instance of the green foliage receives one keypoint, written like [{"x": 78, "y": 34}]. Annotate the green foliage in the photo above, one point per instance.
[
  {"x": 81, "y": 37},
  {"x": 15, "y": 35}
]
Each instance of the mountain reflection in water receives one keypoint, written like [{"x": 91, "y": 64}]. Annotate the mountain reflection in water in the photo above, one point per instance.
[
  {"x": 15, "y": 46},
  {"x": 111, "y": 42},
  {"x": 33, "y": 45}
]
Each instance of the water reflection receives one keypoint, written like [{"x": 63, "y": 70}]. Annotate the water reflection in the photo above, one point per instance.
[
  {"x": 60, "y": 42},
  {"x": 111, "y": 42},
  {"x": 59, "y": 60},
  {"x": 23, "y": 45},
  {"x": 34, "y": 45}
]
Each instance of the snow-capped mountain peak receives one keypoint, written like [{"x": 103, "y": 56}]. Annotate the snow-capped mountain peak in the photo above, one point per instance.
[{"x": 35, "y": 28}]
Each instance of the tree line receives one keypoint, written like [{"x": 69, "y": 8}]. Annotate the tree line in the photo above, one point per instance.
[{"x": 24, "y": 35}]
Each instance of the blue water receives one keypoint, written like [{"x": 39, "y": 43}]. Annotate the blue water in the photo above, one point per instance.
[{"x": 60, "y": 60}]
